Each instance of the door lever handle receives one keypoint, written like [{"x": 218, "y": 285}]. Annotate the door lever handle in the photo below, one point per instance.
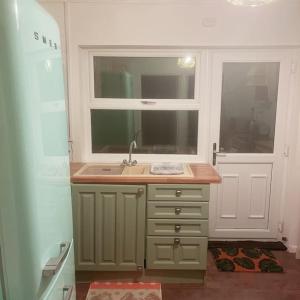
[{"x": 216, "y": 153}]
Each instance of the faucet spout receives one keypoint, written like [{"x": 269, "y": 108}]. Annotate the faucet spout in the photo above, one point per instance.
[{"x": 130, "y": 162}]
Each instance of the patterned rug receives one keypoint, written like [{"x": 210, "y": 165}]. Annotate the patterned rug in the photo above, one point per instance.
[
  {"x": 124, "y": 291},
  {"x": 232, "y": 259}
]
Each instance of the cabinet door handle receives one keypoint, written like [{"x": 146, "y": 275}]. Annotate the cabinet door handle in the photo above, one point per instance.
[
  {"x": 178, "y": 193},
  {"x": 140, "y": 191},
  {"x": 67, "y": 292},
  {"x": 176, "y": 242},
  {"x": 177, "y": 210},
  {"x": 54, "y": 263},
  {"x": 139, "y": 268},
  {"x": 177, "y": 228}
]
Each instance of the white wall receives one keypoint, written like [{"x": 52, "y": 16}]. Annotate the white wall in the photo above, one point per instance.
[
  {"x": 186, "y": 23},
  {"x": 291, "y": 206},
  {"x": 182, "y": 22}
]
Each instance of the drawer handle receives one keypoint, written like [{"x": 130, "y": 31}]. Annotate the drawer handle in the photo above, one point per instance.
[
  {"x": 177, "y": 228},
  {"x": 176, "y": 242},
  {"x": 54, "y": 263},
  {"x": 178, "y": 193},
  {"x": 177, "y": 210},
  {"x": 67, "y": 291}
]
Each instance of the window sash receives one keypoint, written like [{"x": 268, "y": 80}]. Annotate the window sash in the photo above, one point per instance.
[{"x": 136, "y": 103}]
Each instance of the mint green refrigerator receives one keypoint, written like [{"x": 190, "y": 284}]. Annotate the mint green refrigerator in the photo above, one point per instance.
[{"x": 36, "y": 238}]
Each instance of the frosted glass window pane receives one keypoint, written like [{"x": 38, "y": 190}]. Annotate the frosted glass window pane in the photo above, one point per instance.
[
  {"x": 156, "y": 132},
  {"x": 144, "y": 77},
  {"x": 248, "y": 111}
]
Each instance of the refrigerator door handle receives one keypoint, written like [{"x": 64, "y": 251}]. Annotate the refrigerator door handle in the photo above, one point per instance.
[
  {"x": 67, "y": 291},
  {"x": 54, "y": 263}
]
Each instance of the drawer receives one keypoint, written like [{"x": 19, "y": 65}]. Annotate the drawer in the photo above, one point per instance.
[
  {"x": 178, "y": 192},
  {"x": 177, "y": 210},
  {"x": 177, "y": 227},
  {"x": 171, "y": 253}
]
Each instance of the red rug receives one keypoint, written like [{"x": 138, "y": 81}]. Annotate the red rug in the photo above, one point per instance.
[{"x": 124, "y": 291}]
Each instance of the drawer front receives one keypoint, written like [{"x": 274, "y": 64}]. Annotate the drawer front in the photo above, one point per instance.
[
  {"x": 177, "y": 227},
  {"x": 171, "y": 253},
  {"x": 178, "y": 192},
  {"x": 177, "y": 210}
]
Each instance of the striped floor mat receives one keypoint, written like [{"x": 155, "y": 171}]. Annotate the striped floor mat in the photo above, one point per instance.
[{"x": 124, "y": 291}]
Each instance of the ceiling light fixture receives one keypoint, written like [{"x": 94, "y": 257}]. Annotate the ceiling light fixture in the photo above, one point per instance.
[
  {"x": 250, "y": 2},
  {"x": 186, "y": 62}
]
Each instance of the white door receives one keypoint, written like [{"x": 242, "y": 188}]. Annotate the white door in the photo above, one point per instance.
[{"x": 248, "y": 114}]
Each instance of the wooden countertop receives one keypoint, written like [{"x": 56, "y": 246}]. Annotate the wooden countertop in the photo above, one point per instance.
[{"x": 203, "y": 173}]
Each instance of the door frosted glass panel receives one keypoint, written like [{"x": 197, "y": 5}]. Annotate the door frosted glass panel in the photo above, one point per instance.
[
  {"x": 144, "y": 77},
  {"x": 248, "y": 111},
  {"x": 159, "y": 132}
]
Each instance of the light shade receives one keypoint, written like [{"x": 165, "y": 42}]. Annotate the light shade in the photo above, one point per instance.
[{"x": 250, "y": 2}]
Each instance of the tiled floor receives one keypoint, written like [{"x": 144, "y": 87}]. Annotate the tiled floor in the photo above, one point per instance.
[{"x": 235, "y": 286}]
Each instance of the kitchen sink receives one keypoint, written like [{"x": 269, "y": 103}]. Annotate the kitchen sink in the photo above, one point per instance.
[
  {"x": 140, "y": 170},
  {"x": 100, "y": 170},
  {"x": 136, "y": 170}
]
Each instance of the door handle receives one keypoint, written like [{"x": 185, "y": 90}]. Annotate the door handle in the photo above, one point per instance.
[
  {"x": 216, "y": 153},
  {"x": 67, "y": 292},
  {"x": 54, "y": 263}
]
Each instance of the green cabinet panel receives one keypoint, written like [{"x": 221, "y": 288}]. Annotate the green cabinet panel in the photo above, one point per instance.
[
  {"x": 178, "y": 192},
  {"x": 177, "y": 210},
  {"x": 177, "y": 227},
  {"x": 172, "y": 253},
  {"x": 109, "y": 223}
]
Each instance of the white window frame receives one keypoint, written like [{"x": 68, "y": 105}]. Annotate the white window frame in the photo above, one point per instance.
[{"x": 89, "y": 102}]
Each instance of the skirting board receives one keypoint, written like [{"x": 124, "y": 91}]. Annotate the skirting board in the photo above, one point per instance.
[
  {"x": 292, "y": 248},
  {"x": 163, "y": 276}
]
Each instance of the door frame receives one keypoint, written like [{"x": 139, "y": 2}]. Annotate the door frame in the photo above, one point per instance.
[{"x": 216, "y": 59}]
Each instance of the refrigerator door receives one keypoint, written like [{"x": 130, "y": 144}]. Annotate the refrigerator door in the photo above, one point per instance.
[
  {"x": 35, "y": 198},
  {"x": 63, "y": 286}
]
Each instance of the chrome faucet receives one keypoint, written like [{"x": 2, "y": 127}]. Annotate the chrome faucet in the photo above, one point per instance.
[{"x": 130, "y": 162}]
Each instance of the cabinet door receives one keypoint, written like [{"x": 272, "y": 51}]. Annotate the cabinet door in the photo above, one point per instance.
[
  {"x": 174, "y": 253},
  {"x": 131, "y": 228},
  {"x": 109, "y": 223}
]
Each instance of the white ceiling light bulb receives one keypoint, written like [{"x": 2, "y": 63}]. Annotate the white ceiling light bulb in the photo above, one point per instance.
[{"x": 250, "y": 2}]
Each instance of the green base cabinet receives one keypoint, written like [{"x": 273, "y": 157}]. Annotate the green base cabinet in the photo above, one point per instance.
[
  {"x": 177, "y": 226},
  {"x": 109, "y": 226}
]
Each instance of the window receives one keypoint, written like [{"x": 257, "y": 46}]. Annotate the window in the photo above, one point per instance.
[
  {"x": 144, "y": 77},
  {"x": 151, "y": 97},
  {"x": 113, "y": 130},
  {"x": 248, "y": 111}
]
